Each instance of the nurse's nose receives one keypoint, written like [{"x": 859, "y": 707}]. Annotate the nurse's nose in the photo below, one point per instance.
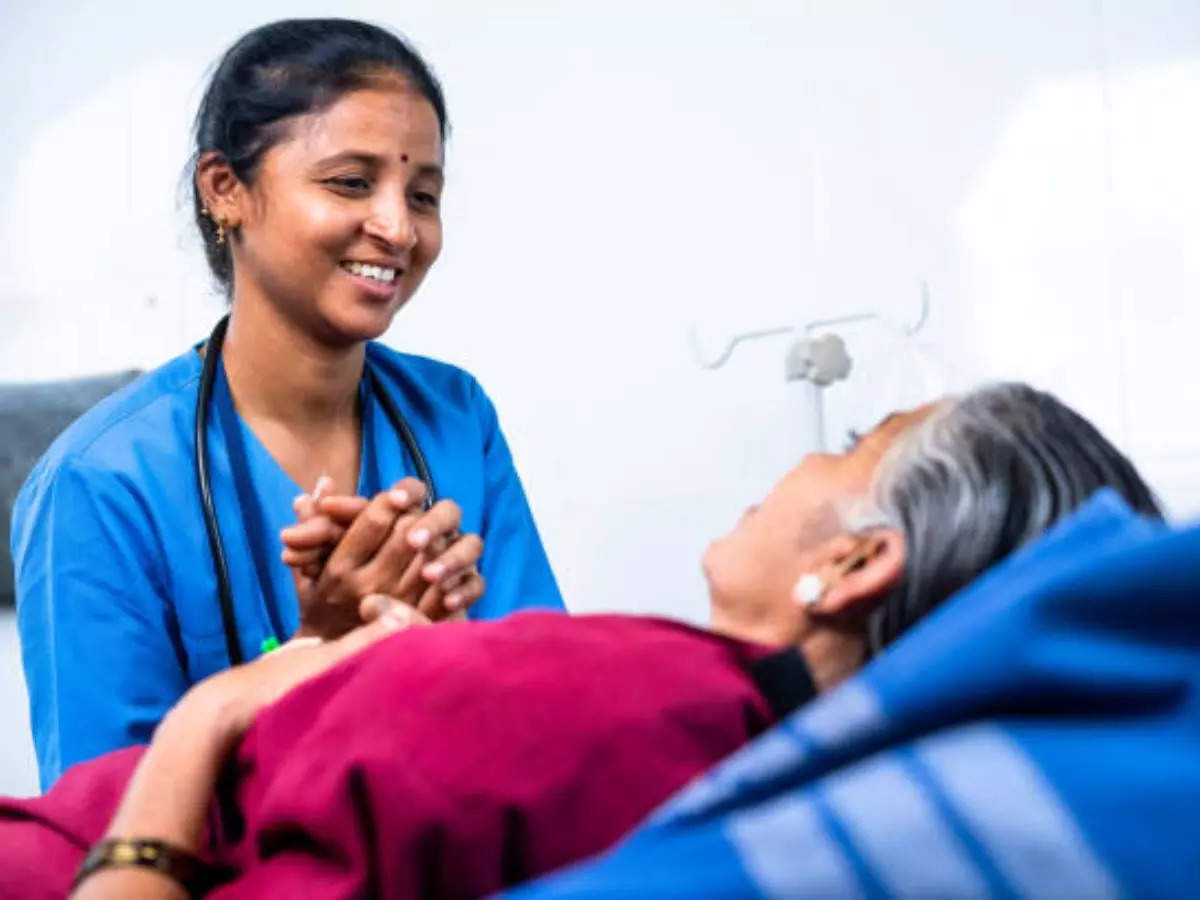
[{"x": 391, "y": 224}]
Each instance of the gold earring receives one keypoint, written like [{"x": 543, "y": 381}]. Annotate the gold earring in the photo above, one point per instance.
[{"x": 218, "y": 222}]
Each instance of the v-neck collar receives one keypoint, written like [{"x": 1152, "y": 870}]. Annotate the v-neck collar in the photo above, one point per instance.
[
  {"x": 368, "y": 463},
  {"x": 263, "y": 489}
]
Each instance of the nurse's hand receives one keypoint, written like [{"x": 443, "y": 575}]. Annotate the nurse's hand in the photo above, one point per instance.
[
  {"x": 446, "y": 566},
  {"x": 346, "y": 548},
  {"x": 425, "y": 562}
]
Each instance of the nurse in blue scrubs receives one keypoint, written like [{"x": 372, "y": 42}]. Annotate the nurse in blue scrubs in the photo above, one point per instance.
[{"x": 318, "y": 183}]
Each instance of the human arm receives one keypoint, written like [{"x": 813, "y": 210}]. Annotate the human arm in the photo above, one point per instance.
[
  {"x": 168, "y": 797},
  {"x": 98, "y": 632}
]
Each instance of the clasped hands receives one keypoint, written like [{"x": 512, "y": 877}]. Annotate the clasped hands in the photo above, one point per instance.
[{"x": 352, "y": 557}]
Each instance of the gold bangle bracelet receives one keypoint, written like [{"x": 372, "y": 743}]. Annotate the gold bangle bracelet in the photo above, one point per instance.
[{"x": 186, "y": 869}]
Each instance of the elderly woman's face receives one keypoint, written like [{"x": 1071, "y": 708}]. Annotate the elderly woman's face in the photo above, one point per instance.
[{"x": 761, "y": 559}]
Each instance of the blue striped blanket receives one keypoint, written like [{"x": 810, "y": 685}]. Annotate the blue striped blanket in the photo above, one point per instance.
[{"x": 1038, "y": 736}]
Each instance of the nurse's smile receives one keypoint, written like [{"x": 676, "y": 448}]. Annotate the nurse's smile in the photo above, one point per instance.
[{"x": 377, "y": 281}]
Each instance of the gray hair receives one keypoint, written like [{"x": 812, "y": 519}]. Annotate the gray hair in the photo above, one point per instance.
[{"x": 982, "y": 475}]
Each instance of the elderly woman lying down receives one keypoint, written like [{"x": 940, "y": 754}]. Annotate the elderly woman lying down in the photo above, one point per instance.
[{"x": 456, "y": 760}]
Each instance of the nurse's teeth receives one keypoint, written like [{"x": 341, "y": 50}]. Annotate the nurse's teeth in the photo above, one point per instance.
[{"x": 378, "y": 273}]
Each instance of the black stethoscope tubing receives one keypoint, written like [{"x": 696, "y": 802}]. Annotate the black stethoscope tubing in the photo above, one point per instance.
[{"x": 208, "y": 377}]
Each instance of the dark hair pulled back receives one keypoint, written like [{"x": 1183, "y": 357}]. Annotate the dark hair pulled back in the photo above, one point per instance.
[{"x": 284, "y": 69}]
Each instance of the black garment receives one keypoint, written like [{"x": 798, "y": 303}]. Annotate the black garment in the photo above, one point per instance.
[{"x": 784, "y": 680}]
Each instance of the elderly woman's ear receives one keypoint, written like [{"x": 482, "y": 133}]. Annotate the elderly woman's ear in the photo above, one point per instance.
[{"x": 854, "y": 572}]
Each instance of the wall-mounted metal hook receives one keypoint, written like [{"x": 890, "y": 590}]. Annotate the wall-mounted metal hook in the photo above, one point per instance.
[
  {"x": 906, "y": 330},
  {"x": 723, "y": 357},
  {"x": 715, "y": 362}
]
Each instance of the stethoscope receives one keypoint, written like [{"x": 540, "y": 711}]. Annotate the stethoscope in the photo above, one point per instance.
[{"x": 208, "y": 377}]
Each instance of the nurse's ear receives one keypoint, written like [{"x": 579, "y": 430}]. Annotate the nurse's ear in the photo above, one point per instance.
[{"x": 222, "y": 193}]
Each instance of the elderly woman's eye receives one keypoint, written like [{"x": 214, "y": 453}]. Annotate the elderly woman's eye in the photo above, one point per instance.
[{"x": 852, "y": 440}]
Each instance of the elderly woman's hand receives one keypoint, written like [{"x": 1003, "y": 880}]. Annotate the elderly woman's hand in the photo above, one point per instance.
[
  {"x": 232, "y": 698},
  {"x": 347, "y": 548},
  {"x": 190, "y": 745}
]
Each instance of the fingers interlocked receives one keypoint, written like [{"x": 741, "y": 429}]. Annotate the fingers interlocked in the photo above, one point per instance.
[{"x": 344, "y": 549}]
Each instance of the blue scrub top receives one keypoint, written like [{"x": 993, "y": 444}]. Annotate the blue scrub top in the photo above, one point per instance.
[{"x": 116, "y": 596}]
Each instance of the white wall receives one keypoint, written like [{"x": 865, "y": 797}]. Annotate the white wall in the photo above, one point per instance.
[{"x": 622, "y": 171}]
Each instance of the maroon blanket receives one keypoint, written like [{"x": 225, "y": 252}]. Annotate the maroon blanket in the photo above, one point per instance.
[{"x": 447, "y": 761}]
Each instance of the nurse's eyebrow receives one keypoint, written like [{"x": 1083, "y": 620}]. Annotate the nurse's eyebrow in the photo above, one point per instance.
[
  {"x": 358, "y": 156},
  {"x": 431, "y": 170},
  {"x": 374, "y": 161}
]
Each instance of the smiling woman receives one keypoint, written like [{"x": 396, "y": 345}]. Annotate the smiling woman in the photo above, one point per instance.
[
  {"x": 353, "y": 224},
  {"x": 318, "y": 178}
]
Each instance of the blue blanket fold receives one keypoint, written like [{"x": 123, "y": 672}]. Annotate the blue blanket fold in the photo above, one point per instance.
[{"x": 1039, "y": 735}]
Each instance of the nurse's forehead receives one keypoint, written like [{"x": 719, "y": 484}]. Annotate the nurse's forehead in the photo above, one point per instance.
[{"x": 384, "y": 122}]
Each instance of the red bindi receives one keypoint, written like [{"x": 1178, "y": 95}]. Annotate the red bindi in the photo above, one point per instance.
[{"x": 403, "y": 157}]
